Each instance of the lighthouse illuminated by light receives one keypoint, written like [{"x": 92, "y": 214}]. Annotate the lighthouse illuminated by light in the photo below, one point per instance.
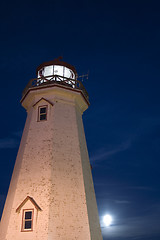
[{"x": 51, "y": 194}]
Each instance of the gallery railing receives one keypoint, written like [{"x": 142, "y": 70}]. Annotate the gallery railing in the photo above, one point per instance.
[{"x": 41, "y": 81}]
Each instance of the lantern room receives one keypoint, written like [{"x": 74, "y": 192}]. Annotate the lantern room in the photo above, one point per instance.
[{"x": 56, "y": 70}]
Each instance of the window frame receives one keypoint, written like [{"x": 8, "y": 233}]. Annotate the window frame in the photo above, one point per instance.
[
  {"x": 24, "y": 220},
  {"x": 39, "y": 108}
]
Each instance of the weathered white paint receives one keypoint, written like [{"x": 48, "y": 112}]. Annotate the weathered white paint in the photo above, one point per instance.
[{"x": 53, "y": 168}]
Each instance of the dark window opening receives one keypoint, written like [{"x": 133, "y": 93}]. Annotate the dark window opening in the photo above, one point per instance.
[
  {"x": 42, "y": 110},
  {"x": 28, "y": 215},
  {"x": 27, "y": 224},
  {"x": 42, "y": 113}
]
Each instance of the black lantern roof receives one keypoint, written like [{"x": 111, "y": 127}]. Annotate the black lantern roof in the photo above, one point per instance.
[{"x": 57, "y": 61}]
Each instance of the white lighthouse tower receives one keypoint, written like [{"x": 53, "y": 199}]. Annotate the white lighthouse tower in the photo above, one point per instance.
[{"x": 51, "y": 194}]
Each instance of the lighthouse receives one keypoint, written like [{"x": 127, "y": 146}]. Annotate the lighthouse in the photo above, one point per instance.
[{"x": 51, "y": 194}]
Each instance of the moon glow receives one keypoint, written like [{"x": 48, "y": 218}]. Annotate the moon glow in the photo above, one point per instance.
[{"x": 107, "y": 220}]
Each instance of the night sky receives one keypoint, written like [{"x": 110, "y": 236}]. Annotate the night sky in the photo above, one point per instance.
[{"x": 118, "y": 43}]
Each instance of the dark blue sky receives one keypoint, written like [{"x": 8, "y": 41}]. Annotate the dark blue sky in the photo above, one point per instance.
[{"x": 118, "y": 42}]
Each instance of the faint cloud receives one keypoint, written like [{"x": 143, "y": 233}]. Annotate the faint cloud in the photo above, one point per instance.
[
  {"x": 18, "y": 133},
  {"x": 11, "y": 142},
  {"x": 122, "y": 202},
  {"x": 8, "y": 143},
  {"x": 145, "y": 188},
  {"x": 103, "y": 154}
]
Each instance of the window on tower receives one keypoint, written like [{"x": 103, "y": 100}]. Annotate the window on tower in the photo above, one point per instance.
[
  {"x": 27, "y": 220},
  {"x": 42, "y": 113}
]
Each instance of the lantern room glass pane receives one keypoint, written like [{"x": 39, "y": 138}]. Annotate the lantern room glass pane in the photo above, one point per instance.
[
  {"x": 48, "y": 71},
  {"x": 58, "y": 70},
  {"x": 41, "y": 72},
  {"x": 69, "y": 73}
]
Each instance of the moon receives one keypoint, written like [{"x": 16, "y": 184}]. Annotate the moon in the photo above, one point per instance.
[{"x": 107, "y": 219}]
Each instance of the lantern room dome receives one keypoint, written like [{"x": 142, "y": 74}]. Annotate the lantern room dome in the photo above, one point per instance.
[
  {"x": 56, "y": 61},
  {"x": 56, "y": 67}
]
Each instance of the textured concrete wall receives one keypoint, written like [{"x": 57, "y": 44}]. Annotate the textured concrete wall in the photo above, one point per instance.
[{"x": 53, "y": 168}]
